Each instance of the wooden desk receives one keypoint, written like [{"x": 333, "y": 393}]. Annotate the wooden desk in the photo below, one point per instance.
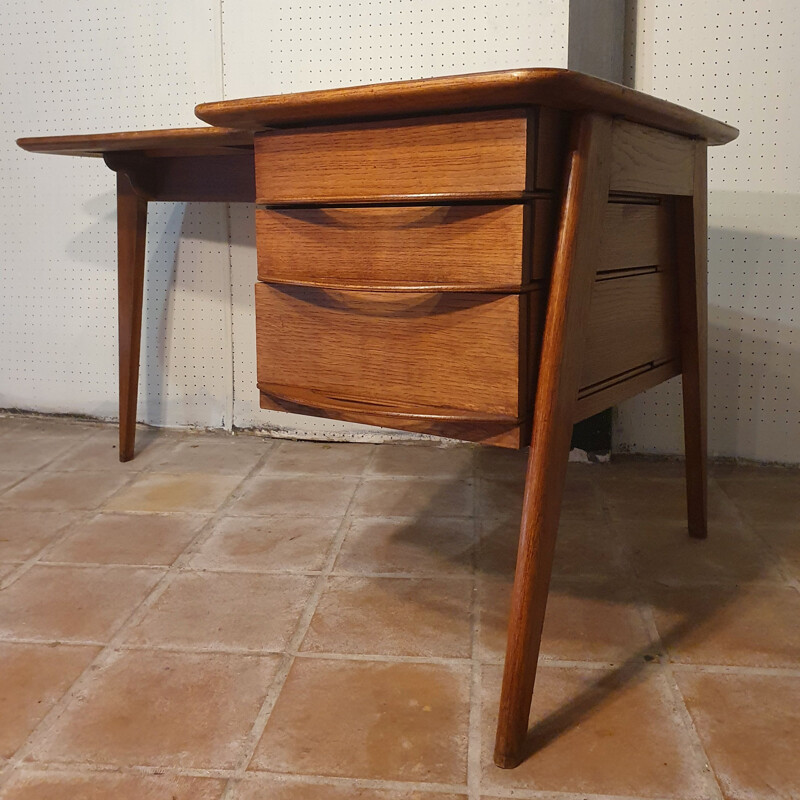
[{"x": 489, "y": 257}]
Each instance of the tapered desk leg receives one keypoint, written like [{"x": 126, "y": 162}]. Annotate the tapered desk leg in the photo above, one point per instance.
[
  {"x": 692, "y": 255},
  {"x": 585, "y": 198},
  {"x": 131, "y": 234}
]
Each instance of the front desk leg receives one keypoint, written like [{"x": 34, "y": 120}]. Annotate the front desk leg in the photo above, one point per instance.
[
  {"x": 131, "y": 234},
  {"x": 585, "y": 198},
  {"x": 692, "y": 256}
]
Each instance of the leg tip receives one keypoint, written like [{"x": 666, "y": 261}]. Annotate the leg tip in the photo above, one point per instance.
[
  {"x": 123, "y": 457},
  {"x": 698, "y": 531},
  {"x": 506, "y": 760}
]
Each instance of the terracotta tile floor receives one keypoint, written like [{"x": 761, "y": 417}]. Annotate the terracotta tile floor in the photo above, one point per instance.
[{"x": 243, "y": 618}]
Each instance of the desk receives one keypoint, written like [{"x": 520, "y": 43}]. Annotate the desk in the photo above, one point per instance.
[{"x": 489, "y": 257}]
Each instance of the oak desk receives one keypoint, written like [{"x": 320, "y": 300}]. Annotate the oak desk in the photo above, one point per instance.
[{"x": 489, "y": 257}]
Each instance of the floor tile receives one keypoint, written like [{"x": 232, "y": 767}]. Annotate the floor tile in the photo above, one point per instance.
[
  {"x": 296, "y": 496},
  {"x": 35, "y": 677},
  {"x": 100, "y": 451},
  {"x": 8, "y": 479},
  {"x": 29, "y": 784},
  {"x": 405, "y": 544},
  {"x": 163, "y": 709},
  {"x": 72, "y": 603},
  {"x": 738, "y": 625},
  {"x": 394, "y": 617},
  {"x": 585, "y": 621},
  {"x": 219, "y": 454},
  {"x": 24, "y": 449},
  {"x": 595, "y": 733},
  {"x": 268, "y": 543},
  {"x": 584, "y": 547},
  {"x": 318, "y": 458},
  {"x": 224, "y": 609},
  {"x": 23, "y": 532},
  {"x": 767, "y": 501},
  {"x": 413, "y": 497},
  {"x": 63, "y": 491},
  {"x": 501, "y": 462},
  {"x": 194, "y": 492},
  {"x": 659, "y": 498},
  {"x": 271, "y": 787},
  {"x": 362, "y": 719},
  {"x": 156, "y": 539},
  {"x": 750, "y": 729},
  {"x": 419, "y": 461},
  {"x": 662, "y": 551}
]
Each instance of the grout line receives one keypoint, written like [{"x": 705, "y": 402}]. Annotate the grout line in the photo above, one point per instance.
[
  {"x": 674, "y": 695},
  {"x": 301, "y": 628},
  {"x": 474, "y": 767},
  {"x": 111, "y": 647}
]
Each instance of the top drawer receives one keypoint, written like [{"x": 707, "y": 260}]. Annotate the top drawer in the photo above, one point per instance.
[{"x": 481, "y": 153}]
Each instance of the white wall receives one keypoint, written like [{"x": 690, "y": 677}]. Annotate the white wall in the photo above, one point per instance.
[{"x": 736, "y": 61}]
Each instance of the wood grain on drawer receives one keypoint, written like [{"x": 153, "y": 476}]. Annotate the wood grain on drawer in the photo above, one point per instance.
[
  {"x": 399, "y": 349},
  {"x": 477, "y": 153},
  {"x": 468, "y": 246},
  {"x": 636, "y": 235},
  {"x": 632, "y": 322}
]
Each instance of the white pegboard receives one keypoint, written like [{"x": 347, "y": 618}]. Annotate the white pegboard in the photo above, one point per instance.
[
  {"x": 104, "y": 66},
  {"x": 736, "y": 61}
]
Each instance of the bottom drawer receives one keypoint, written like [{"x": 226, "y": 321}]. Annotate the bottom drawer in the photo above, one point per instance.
[{"x": 417, "y": 361}]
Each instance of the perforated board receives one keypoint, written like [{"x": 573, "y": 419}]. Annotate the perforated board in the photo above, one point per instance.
[
  {"x": 736, "y": 61},
  {"x": 91, "y": 67}
]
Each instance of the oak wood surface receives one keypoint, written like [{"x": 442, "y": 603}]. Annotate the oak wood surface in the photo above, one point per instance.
[
  {"x": 459, "y": 246},
  {"x": 217, "y": 179},
  {"x": 162, "y": 142},
  {"x": 568, "y": 306},
  {"x": 446, "y": 350},
  {"x": 462, "y": 153},
  {"x": 498, "y": 430},
  {"x": 632, "y": 322},
  {"x": 554, "y": 88},
  {"x": 691, "y": 236},
  {"x": 652, "y": 161},
  {"x": 636, "y": 235},
  {"x": 593, "y": 399},
  {"x": 131, "y": 235}
]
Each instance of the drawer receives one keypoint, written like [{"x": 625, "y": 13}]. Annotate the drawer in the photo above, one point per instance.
[
  {"x": 457, "y": 154},
  {"x": 467, "y": 246},
  {"x": 415, "y": 354}
]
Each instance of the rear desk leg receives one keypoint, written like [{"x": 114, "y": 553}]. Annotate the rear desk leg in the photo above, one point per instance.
[
  {"x": 585, "y": 198},
  {"x": 692, "y": 246},
  {"x": 131, "y": 233}
]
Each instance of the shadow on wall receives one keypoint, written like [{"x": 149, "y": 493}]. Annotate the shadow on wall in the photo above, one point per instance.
[
  {"x": 170, "y": 227},
  {"x": 754, "y": 357}
]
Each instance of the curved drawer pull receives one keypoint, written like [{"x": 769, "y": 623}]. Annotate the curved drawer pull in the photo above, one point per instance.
[{"x": 313, "y": 399}]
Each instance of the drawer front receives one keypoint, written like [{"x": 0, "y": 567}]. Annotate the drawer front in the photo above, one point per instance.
[
  {"x": 400, "y": 350},
  {"x": 487, "y": 152},
  {"x": 632, "y": 323},
  {"x": 469, "y": 246}
]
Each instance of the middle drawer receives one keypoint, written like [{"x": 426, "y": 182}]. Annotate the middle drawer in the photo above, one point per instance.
[{"x": 472, "y": 247}]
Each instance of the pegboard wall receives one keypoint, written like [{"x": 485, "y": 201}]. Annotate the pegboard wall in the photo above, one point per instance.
[
  {"x": 735, "y": 60},
  {"x": 91, "y": 67}
]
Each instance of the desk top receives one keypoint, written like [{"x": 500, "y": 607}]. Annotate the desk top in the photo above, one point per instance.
[
  {"x": 168, "y": 142},
  {"x": 556, "y": 88}
]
